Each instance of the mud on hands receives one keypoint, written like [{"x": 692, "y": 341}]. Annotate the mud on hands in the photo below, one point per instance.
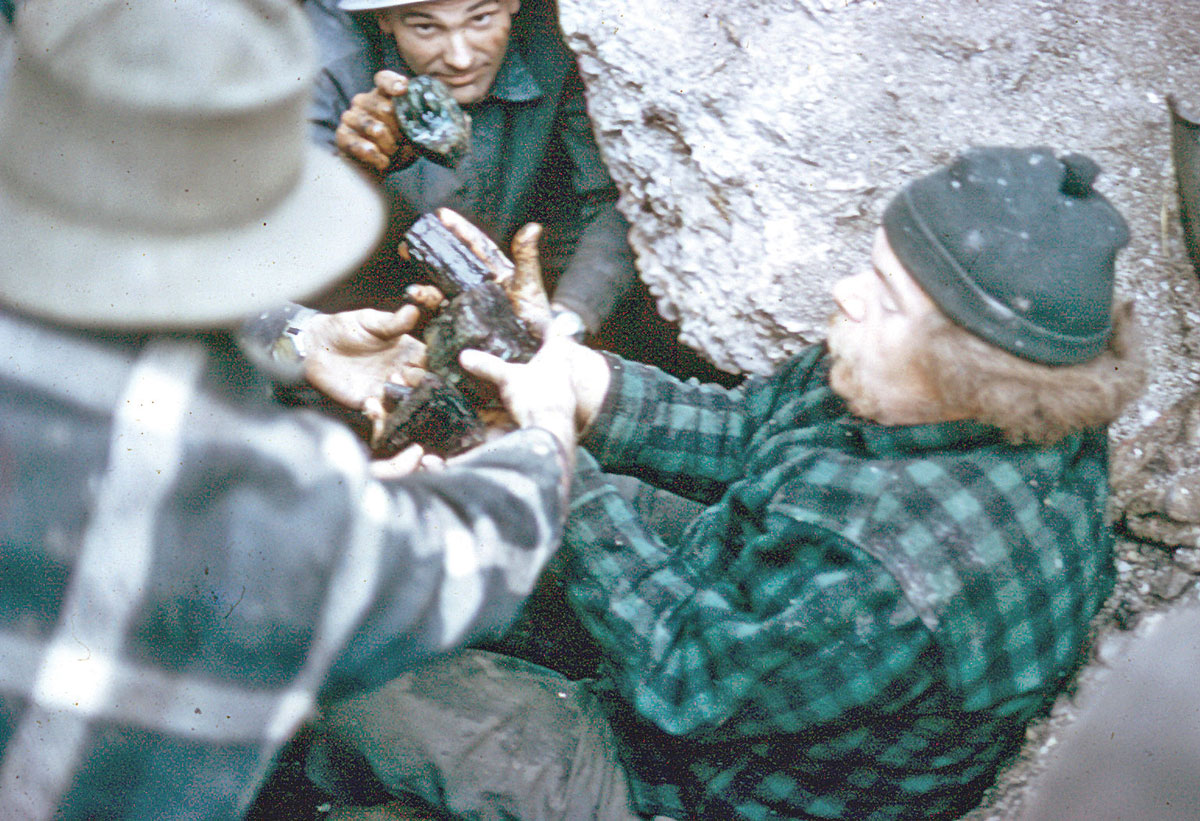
[{"x": 483, "y": 301}]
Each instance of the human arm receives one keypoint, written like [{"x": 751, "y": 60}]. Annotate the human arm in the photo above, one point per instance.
[
  {"x": 599, "y": 268},
  {"x": 229, "y": 562},
  {"x": 404, "y": 568},
  {"x": 480, "y": 530}
]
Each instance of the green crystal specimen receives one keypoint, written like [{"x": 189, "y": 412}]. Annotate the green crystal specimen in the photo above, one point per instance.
[{"x": 432, "y": 120}]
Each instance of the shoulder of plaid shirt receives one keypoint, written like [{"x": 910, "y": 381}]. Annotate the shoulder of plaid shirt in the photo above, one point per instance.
[{"x": 186, "y": 570}]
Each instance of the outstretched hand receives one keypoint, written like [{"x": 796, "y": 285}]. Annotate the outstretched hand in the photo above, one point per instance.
[{"x": 351, "y": 355}]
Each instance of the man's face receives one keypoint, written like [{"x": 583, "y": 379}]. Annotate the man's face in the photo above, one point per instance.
[
  {"x": 461, "y": 42},
  {"x": 875, "y": 342}
]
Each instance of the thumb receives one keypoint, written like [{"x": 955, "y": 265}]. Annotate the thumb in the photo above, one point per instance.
[
  {"x": 527, "y": 291},
  {"x": 389, "y": 324},
  {"x": 484, "y": 365}
]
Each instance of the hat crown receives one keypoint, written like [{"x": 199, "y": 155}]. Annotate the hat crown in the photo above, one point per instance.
[
  {"x": 188, "y": 56},
  {"x": 1017, "y": 247},
  {"x": 155, "y": 166},
  {"x": 180, "y": 116}
]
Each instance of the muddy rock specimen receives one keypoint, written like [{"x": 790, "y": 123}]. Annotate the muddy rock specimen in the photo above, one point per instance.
[
  {"x": 441, "y": 414},
  {"x": 434, "y": 415},
  {"x": 481, "y": 318}
]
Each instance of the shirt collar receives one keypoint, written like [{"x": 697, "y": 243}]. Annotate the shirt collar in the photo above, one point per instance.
[
  {"x": 514, "y": 81},
  {"x": 899, "y": 440}
]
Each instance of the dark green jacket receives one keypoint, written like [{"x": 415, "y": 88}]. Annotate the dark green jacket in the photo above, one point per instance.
[
  {"x": 861, "y": 622},
  {"x": 533, "y": 158}
]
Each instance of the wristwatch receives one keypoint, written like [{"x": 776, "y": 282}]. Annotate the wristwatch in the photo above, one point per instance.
[
  {"x": 565, "y": 322},
  {"x": 289, "y": 347}
]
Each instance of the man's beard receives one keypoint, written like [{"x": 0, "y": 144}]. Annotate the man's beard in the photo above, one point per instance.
[{"x": 843, "y": 376}]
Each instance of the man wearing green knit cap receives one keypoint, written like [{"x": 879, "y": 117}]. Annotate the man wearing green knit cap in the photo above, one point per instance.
[{"x": 902, "y": 543}]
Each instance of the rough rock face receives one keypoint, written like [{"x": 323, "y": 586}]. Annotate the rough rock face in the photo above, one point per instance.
[{"x": 755, "y": 145}]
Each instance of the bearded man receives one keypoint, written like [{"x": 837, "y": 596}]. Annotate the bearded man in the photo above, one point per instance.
[{"x": 902, "y": 545}]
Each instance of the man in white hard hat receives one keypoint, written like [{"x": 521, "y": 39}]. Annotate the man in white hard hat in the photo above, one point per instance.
[
  {"x": 533, "y": 156},
  {"x": 186, "y": 569}
]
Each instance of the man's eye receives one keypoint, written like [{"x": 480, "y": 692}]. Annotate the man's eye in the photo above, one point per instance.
[
  {"x": 422, "y": 29},
  {"x": 482, "y": 19}
]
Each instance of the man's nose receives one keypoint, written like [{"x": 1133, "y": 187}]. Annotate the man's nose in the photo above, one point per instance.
[
  {"x": 848, "y": 295},
  {"x": 458, "y": 52}
]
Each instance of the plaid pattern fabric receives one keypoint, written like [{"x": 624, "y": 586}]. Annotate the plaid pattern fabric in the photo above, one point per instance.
[
  {"x": 863, "y": 619},
  {"x": 185, "y": 570}
]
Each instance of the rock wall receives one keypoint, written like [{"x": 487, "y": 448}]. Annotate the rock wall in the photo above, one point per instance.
[{"x": 755, "y": 145}]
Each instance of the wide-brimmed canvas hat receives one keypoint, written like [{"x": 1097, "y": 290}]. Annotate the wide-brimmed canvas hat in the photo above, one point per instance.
[{"x": 155, "y": 167}]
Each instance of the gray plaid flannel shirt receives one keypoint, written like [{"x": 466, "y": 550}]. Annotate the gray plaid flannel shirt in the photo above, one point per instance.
[
  {"x": 186, "y": 569},
  {"x": 861, "y": 622}
]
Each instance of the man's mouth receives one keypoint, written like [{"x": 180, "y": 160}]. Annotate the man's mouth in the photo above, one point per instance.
[{"x": 459, "y": 80}]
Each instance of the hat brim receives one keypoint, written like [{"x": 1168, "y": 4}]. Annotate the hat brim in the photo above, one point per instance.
[
  {"x": 65, "y": 268},
  {"x": 375, "y": 5}
]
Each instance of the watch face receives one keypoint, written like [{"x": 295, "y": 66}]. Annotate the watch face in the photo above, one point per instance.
[{"x": 288, "y": 348}]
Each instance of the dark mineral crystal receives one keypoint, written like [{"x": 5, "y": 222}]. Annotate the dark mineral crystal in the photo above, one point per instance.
[
  {"x": 443, "y": 258},
  {"x": 481, "y": 318},
  {"x": 432, "y": 120},
  {"x": 479, "y": 315},
  {"x": 434, "y": 415}
]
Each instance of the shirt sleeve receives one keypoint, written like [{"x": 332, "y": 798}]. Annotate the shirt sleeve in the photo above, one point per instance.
[
  {"x": 686, "y": 437},
  {"x": 773, "y": 622},
  {"x": 602, "y": 267},
  {"x": 261, "y": 338},
  {"x": 225, "y": 562},
  {"x": 349, "y": 58},
  {"x": 458, "y": 552}
]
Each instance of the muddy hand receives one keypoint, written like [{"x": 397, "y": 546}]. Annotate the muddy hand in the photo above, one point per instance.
[
  {"x": 369, "y": 132},
  {"x": 522, "y": 280},
  {"x": 527, "y": 291}
]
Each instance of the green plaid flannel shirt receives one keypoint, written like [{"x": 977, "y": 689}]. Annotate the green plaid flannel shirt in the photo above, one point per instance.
[{"x": 860, "y": 623}]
